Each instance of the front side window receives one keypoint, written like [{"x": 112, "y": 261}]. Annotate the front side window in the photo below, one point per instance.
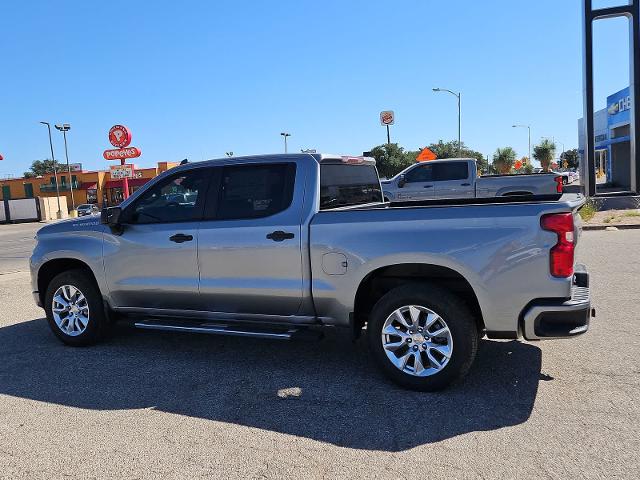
[
  {"x": 423, "y": 173},
  {"x": 255, "y": 191},
  {"x": 174, "y": 199}
]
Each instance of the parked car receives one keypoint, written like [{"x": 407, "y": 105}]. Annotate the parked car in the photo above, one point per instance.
[
  {"x": 458, "y": 178},
  {"x": 87, "y": 209},
  {"x": 281, "y": 246}
]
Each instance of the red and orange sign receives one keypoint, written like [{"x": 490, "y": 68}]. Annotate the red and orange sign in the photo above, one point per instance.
[
  {"x": 425, "y": 155},
  {"x": 121, "y": 153},
  {"x": 120, "y": 136},
  {"x": 518, "y": 164}
]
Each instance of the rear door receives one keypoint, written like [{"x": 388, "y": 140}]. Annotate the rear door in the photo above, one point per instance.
[
  {"x": 453, "y": 180},
  {"x": 249, "y": 253},
  {"x": 419, "y": 184}
]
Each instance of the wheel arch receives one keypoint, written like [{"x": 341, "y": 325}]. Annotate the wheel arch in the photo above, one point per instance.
[
  {"x": 383, "y": 279},
  {"x": 51, "y": 268}
]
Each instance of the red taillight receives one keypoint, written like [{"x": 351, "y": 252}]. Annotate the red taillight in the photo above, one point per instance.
[
  {"x": 558, "y": 181},
  {"x": 352, "y": 160},
  {"x": 561, "y": 255}
]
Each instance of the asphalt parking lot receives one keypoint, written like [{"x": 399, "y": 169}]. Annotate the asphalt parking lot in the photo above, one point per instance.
[{"x": 159, "y": 405}]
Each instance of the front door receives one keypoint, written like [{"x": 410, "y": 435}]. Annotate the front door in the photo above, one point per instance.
[
  {"x": 249, "y": 250},
  {"x": 419, "y": 184},
  {"x": 153, "y": 263}
]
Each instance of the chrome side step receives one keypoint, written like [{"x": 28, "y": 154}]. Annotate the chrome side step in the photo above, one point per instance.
[{"x": 230, "y": 329}]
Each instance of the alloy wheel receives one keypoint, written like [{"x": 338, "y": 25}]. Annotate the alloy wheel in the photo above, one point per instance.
[
  {"x": 70, "y": 310},
  {"x": 417, "y": 340}
]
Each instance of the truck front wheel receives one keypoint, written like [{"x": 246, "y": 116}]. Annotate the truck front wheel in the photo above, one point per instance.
[
  {"x": 422, "y": 336},
  {"x": 74, "y": 308}
]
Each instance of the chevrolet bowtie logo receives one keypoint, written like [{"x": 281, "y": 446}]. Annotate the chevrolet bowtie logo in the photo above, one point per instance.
[{"x": 613, "y": 108}]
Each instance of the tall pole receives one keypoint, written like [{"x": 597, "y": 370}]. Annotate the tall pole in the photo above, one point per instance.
[
  {"x": 459, "y": 97},
  {"x": 64, "y": 128},
  {"x": 528, "y": 127},
  {"x": 388, "y": 136},
  {"x": 55, "y": 170},
  {"x": 459, "y": 126},
  {"x": 285, "y": 135}
]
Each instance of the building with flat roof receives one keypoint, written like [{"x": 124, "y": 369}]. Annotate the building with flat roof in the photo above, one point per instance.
[
  {"x": 95, "y": 187},
  {"x": 612, "y": 130}
]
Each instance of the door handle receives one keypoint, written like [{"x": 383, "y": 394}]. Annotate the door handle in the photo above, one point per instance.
[
  {"x": 465, "y": 184},
  {"x": 181, "y": 238},
  {"x": 428, "y": 186},
  {"x": 279, "y": 236}
]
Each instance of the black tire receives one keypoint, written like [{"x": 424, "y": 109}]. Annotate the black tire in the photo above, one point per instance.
[
  {"x": 98, "y": 325},
  {"x": 461, "y": 324},
  {"x": 565, "y": 181}
]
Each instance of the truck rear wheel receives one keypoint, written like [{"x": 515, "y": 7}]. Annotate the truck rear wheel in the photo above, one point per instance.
[
  {"x": 422, "y": 336},
  {"x": 74, "y": 308}
]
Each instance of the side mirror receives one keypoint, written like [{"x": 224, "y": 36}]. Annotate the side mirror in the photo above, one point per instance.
[
  {"x": 402, "y": 181},
  {"x": 111, "y": 216}
]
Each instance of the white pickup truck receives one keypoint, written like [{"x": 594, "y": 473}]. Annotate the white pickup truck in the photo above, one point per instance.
[{"x": 458, "y": 178}]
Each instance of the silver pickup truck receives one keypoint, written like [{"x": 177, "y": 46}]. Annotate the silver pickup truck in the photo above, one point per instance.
[
  {"x": 280, "y": 246},
  {"x": 458, "y": 178}
]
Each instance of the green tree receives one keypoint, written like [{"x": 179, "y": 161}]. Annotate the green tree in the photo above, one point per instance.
[
  {"x": 545, "y": 152},
  {"x": 572, "y": 157},
  {"x": 450, "y": 150},
  {"x": 392, "y": 159},
  {"x": 527, "y": 168},
  {"x": 503, "y": 159},
  {"x": 43, "y": 167}
]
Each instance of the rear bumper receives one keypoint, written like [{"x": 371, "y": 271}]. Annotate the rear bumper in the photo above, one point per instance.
[{"x": 548, "y": 319}]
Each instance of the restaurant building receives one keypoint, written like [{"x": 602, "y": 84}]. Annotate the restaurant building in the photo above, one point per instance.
[{"x": 95, "y": 186}]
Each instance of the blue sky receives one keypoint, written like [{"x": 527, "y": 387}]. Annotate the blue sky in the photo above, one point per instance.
[{"x": 197, "y": 79}]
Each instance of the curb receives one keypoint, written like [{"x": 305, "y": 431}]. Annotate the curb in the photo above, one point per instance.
[{"x": 618, "y": 227}]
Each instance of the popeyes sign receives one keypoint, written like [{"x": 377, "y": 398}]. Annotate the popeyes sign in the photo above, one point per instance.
[{"x": 120, "y": 137}]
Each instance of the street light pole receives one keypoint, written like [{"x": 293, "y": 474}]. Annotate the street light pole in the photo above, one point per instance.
[
  {"x": 528, "y": 127},
  {"x": 64, "y": 128},
  {"x": 459, "y": 97},
  {"x": 55, "y": 170},
  {"x": 285, "y": 135}
]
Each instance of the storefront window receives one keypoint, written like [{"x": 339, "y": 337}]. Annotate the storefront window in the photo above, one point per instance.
[{"x": 92, "y": 196}]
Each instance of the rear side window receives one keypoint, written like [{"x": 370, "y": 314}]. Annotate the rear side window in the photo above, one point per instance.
[
  {"x": 255, "y": 191},
  {"x": 345, "y": 185},
  {"x": 450, "y": 171}
]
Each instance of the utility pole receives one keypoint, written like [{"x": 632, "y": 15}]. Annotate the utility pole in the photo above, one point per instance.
[
  {"x": 285, "y": 135},
  {"x": 459, "y": 97},
  {"x": 64, "y": 128},
  {"x": 55, "y": 170},
  {"x": 528, "y": 127}
]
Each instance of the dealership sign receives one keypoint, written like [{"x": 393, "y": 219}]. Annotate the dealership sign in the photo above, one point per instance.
[
  {"x": 620, "y": 106},
  {"x": 121, "y": 153},
  {"x": 387, "y": 117},
  {"x": 118, "y": 172}
]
